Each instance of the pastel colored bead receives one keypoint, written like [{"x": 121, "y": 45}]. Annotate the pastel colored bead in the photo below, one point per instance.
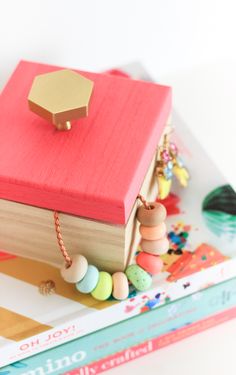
[
  {"x": 76, "y": 271},
  {"x": 140, "y": 279},
  {"x": 153, "y": 233},
  {"x": 120, "y": 285},
  {"x": 90, "y": 280},
  {"x": 151, "y": 217},
  {"x": 157, "y": 247},
  {"x": 150, "y": 263},
  {"x": 103, "y": 289}
]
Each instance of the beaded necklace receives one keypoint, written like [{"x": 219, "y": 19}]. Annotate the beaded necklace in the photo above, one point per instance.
[{"x": 101, "y": 284}]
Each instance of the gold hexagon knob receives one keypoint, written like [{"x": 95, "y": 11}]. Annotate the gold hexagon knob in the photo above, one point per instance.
[{"x": 60, "y": 97}]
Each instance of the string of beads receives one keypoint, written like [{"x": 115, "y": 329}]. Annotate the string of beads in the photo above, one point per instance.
[{"x": 101, "y": 284}]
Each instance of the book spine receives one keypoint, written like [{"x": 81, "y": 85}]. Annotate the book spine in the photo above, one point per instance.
[
  {"x": 116, "y": 313},
  {"x": 165, "y": 320},
  {"x": 149, "y": 346}
]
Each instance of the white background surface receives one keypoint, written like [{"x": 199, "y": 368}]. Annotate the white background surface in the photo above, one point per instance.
[{"x": 186, "y": 43}]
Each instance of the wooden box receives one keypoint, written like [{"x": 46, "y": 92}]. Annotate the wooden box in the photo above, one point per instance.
[{"x": 91, "y": 174}]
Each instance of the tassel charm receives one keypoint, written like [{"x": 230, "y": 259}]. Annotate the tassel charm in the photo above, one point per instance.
[
  {"x": 164, "y": 187},
  {"x": 182, "y": 175},
  {"x": 169, "y": 164},
  {"x": 179, "y": 170}
]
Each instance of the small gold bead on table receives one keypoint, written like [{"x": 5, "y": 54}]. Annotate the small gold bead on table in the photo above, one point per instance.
[{"x": 47, "y": 287}]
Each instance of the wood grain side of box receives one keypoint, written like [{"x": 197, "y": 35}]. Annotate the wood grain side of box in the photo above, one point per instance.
[{"x": 29, "y": 232}]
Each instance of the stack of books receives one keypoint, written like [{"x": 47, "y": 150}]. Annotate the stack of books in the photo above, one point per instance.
[{"x": 55, "y": 334}]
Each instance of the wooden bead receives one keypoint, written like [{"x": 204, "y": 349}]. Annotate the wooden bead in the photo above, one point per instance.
[
  {"x": 103, "y": 289},
  {"x": 140, "y": 279},
  {"x": 76, "y": 271},
  {"x": 90, "y": 280},
  {"x": 150, "y": 263},
  {"x": 120, "y": 286},
  {"x": 153, "y": 233},
  {"x": 151, "y": 217},
  {"x": 157, "y": 247}
]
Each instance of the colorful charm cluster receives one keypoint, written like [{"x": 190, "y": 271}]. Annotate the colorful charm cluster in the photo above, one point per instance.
[
  {"x": 178, "y": 240},
  {"x": 170, "y": 164},
  {"x": 101, "y": 284}
]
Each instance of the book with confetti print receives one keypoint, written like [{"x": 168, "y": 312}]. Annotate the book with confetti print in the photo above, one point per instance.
[
  {"x": 202, "y": 233},
  {"x": 133, "y": 338}
]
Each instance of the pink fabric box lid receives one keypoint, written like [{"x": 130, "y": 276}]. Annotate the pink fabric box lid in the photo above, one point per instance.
[{"x": 96, "y": 169}]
